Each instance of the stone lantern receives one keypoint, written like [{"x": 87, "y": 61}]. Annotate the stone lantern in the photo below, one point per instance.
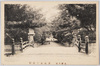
[{"x": 31, "y": 35}]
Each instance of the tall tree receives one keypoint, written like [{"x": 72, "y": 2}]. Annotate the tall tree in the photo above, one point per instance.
[
  {"x": 65, "y": 20},
  {"x": 86, "y": 13},
  {"x": 23, "y": 13}
]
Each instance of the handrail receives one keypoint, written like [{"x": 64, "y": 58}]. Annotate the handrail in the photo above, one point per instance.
[
  {"x": 23, "y": 44},
  {"x": 9, "y": 36},
  {"x": 83, "y": 45}
]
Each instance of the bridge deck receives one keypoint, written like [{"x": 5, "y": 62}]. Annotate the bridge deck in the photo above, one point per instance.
[{"x": 49, "y": 53}]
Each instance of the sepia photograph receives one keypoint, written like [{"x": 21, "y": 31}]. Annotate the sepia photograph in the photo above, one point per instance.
[{"x": 49, "y": 33}]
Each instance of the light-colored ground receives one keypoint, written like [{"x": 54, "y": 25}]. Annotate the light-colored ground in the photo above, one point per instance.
[{"x": 53, "y": 53}]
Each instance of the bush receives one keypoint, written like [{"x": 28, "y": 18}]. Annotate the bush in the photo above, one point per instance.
[
  {"x": 92, "y": 37},
  {"x": 37, "y": 38},
  {"x": 91, "y": 34},
  {"x": 38, "y": 35},
  {"x": 67, "y": 38},
  {"x": 39, "y": 31},
  {"x": 64, "y": 37}
]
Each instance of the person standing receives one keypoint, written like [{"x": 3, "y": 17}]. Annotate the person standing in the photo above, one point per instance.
[
  {"x": 79, "y": 43},
  {"x": 43, "y": 38},
  {"x": 75, "y": 41}
]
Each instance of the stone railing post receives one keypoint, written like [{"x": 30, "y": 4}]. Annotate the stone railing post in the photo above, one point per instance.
[
  {"x": 86, "y": 44},
  {"x": 13, "y": 47},
  {"x": 21, "y": 45}
]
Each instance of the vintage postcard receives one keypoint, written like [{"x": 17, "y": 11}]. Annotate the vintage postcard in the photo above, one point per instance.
[{"x": 49, "y": 33}]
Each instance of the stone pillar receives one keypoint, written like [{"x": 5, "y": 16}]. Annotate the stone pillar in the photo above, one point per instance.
[
  {"x": 13, "y": 47},
  {"x": 86, "y": 44},
  {"x": 21, "y": 45}
]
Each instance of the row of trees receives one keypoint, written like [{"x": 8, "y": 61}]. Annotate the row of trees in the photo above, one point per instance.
[
  {"x": 21, "y": 12},
  {"x": 77, "y": 15},
  {"x": 86, "y": 13},
  {"x": 20, "y": 17},
  {"x": 73, "y": 17}
]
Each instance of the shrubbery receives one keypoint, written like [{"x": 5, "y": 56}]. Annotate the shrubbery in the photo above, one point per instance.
[
  {"x": 38, "y": 35},
  {"x": 41, "y": 32},
  {"x": 64, "y": 37},
  {"x": 91, "y": 34}
]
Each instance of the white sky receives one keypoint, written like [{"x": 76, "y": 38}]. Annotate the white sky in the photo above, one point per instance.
[{"x": 48, "y": 10}]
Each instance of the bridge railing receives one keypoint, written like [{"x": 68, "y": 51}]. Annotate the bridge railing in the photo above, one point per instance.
[
  {"x": 81, "y": 45},
  {"x": 15, "y": 46},
  {"x": 23, "y": 44}
]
